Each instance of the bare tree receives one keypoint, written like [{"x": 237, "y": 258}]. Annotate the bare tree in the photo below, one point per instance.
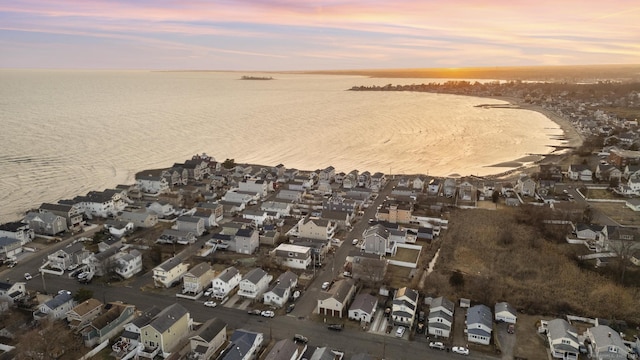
[{"x": 49, "y": 340}]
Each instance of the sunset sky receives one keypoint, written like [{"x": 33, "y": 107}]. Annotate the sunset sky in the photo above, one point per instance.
[{"x": 315, "y": 35}]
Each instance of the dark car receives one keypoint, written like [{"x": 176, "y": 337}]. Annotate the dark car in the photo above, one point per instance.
[
  {"x": 300, "y": 338},
  {"x": 290, "y": 308},
  {"x": 336, "y": 327},
  {"x": 254, "y": 312}
]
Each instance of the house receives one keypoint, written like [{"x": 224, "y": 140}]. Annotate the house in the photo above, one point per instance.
[
  {"x": 261, "y": 187},
  {"x": 107, "y": 324},
  {"x": 505, "y": 312},
  {"x": 217, "y": 212},
  {"x": 12, "y": 292},
  {"x": 17, "y": 230},
  {"x": 55, "y": 308},
  {"x": 631, "y": 171},
  {"x": 165, "y": 331},
  {"x": 607, "y": 172},
  {"x": 363, "y": 308},
  {"x": 283, "y": 209},
  {"x": 433, "y": 188},
  {"x": 102, "y": 262},
  {"x": 191, "y": 224},
  {"x": 130, "y": 337},
  {"x": 152, "y": 181},
  {"x": 403, "y": 310},
  {"x": 128, "y": 263},
  {"x": 70, "y": 255},
  {"x": 334, "y": 301},
  {"x": 339, "y": 203},
  {"x": 254, "y": 283},
  {"x": 225, "y": 282},
  {"x": 246, "y": 241},
  {"x": 395, "y": 211},
  {"x": 118, "y": 228},
  {"x": 258, "y": 217},
  {"x": 171, "y": 236},
  {"x": 606, "y": 343},
  {"x": 376, "y": 240},
  {"x": 9, "y": 247},
  {"x": 208, "y": 339},
  {"x": 440, "y": 318},
  {"x": 562, "y": 338},
  {"x": 285, "y": 349},
  {"x": 633, "y": 204},
  {"x": 588, "y": 231},
  {"x": 46, "y": 223},
  {"x": 197, "y": 278},
  {"x": 162, "y": 208},
  {"x": 280, "y": 292},
  {"x": 293, "y": 256},
  {"x": 243, "y": 345},
  {"x": 84, "y": 313},
  {"x": 71, "y": 213},
  {"x": 316, "y": 228},
  {"x": 139, "y": 219},
  {"x": 525, "y": 186},
  {"x": 341, "y": 219},
  {"x": 479, "y": 324},
  {"x": 169, "y": 272},
  {"x": 579, "y": 172}
]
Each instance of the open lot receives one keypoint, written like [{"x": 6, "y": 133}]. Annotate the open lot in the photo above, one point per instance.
[
  {"x": 407, "y": 255},
  {"x": 618, "y": 212}
]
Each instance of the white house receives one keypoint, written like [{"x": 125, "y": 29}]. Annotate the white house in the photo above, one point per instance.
[
  {"x": 169, "y": 272},
  {"x": 280, "y": 292},
  {"x": 225, "y": 282},
  {"x": 334, "y": 301},
  {"x": 56, "y": 308},
  {"x": 606, "y": 343},
  {"x": 505, "y": 312},
  {"x": 11, "y": 292},
  {"x": 254, "y": 185},
  {"x": 580, "y": 172},
  {"x": 563, "y": 340},
  {"x": 254, "y": 283},
  {"x": 152, "y": 181},
  {"x": 128, "y": 263},
  {"x": 363, "y": 308},
  {"x": 403, "y": 310},
  {"x": 440, "y": 317},
  {"x": 281, "y": 208},
  {"x": 479, "y": 324},
  {"x": 293, "y": 256},
  {"x": 191, "y": 223}
]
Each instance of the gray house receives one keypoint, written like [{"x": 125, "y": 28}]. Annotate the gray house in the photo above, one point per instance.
[
  {"x": 479, "y": 324},
  {"x": 46, "y": 223}
]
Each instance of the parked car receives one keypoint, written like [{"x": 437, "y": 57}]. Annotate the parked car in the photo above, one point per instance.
[
  {"x": 210, "y": 304},
  {"x": 290, "y": 308},
  {"x": 336, "y": 327},
  {"x": 325, "y": 285},
  {"x": 209, "y": 292},
  {"x": 420, "y": 328},
  {"x": 254, "y": 312},
  {"x": 511, "y": 329},
  {"x": 27, "y": 276},
  {"x": 437, "y": 345},
  {"x": 354, "y": 241},
  {"x": 300, "y": 338},
  {"x": 72, "y": 267},
  {"x": 400, "y": 331},
  {"x": 268, "y": 313},
  {"x": 60, "y": 292},
  {"x": 460, "y": 350},
  {"x": 389, "y": 328}
]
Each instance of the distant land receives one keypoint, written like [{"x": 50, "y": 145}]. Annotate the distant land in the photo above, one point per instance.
[{"x": 578, "y": 73}]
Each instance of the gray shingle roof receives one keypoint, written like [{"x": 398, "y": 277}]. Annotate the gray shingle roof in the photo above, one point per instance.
[
  {"x": 167, "y": 317},
  {"x": 479, "y": 314},
  {"x": 255, "y": 275},
  {"x": 228, "y": 273}
]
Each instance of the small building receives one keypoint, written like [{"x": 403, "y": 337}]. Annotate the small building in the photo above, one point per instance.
[
  {"x": 56, "y": 308},
  {"x": 198, "y": 278},
  {"x": 479, "y": 324},
  {"x": 83, "y": 313},
  {"x": 280, "y": 292},
  {"x": 440, "y": 318},
  {"x": 169, "y": 272},
  {"x": 225, "y": 282},
  {"x": 254, "y": 283},
  {"x": 606, "y": 343},
  {"x": 208, "y": 339},
  {"x": 363, "y": 308},
  {"x": 334, "y": 301},
  {"x": 243, "y": 345},
  {"x": 12, "y": 292},
  {"x": 562, "y": 338},
  {"x": 165, "y": 331},
  {"x": 403, "y": 310},
  {"x": 293, "y": 256},
  {"x": 506, "y": 313}
]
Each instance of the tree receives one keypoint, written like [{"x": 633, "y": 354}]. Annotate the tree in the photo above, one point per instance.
[
  {"x": 495, "y": 196},
  {"x": 49, "y": 340},
  {"x": 456, "y": 279},
  {"x": 82, "y": 294},
  {"x": 229, "y": 164}
]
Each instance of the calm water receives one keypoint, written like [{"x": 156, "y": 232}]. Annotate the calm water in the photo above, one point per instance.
[{"x": 65, "y": 133}]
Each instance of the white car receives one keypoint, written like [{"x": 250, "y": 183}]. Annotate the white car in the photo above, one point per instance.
[
  {"x": 437, "y": 345},
  {"x": 400, "y": 331},
  {"x": 72, "y": 267},
  {"x": 268, "y": 313},
  {"x": 209, "y": 292},
  {"x": 210, "y": 304},
  {"x": 354, "y": 241},
  {"x": 27, "y": 276},
  {"x": 325, "y": 285},
  {"x": 460, "y": 350},
  {"x": 60, "y": 292}
]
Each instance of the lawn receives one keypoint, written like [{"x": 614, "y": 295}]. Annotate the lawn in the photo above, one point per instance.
[
  {"x": 407, "y": 255},
  {"x": 618, "y": 212}
]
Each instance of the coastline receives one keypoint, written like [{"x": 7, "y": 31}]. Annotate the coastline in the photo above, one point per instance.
[{"x": 572, "y": 139}]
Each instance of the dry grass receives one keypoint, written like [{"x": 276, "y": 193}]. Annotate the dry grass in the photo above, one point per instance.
[
  {"x": 529, "y": 344},
  {"x": 397, "y": 276},
  {"x": 618, "y": 212},
  {"x": 407, "y": 255},
  {"x": 505, "y": 258}
]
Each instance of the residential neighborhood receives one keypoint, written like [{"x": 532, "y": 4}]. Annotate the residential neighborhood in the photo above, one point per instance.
[{"x": 377, "y": 257}]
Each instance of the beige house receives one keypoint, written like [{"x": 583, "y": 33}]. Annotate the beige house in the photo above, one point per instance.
[
  {"x": 397, "y": 212},
  {"x": 315, "y": 228},
  {"x": 165, "y": 331},
  {"x": 335, "y": 301},
  {"x": 198, "y": 278},
  {"x": 169, "y": 272},
  {"x": 139, "y": 219},
  {"x": 83, "y": 313},
  {"x": 208, "y": 339}
]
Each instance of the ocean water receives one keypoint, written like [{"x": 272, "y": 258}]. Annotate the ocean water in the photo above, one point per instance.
[{"x": 65, "y": 133}]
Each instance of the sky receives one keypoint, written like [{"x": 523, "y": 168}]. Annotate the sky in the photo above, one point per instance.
[{"x": 281, "y": 35}]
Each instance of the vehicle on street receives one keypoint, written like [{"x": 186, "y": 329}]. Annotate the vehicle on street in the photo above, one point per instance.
[
  {"x": 420, "y": 328},
  {"x": 12, "y": 263},
  {"x": 300, "y": 338},
  {"x": 268, "y": 313},
  {"x": 325, "y": 285},
  {"x": 354, "y": 241},
  {"x": 389, "y": 328},
  {"x": 400, "y": 331},
  {"x": 335, "y": 327},
  {"x": 254, "y": 312},
  {"x": 60, "y": 292},
  {"x": 209, "y": 292},
  {"x": 27, "y": 276},
  {"x": 460, "y": 350},
  {"x": 437, "y": 345},
  {"x": 210, "y": 304},
  {"x": 290, "y": 308}
]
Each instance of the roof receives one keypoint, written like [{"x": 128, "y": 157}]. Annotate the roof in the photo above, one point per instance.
[
  {"x": 146, "y": 317},
  {"x": 560, "y": 328},
  {"x": 408, "y": 293},
  {"x": 228, "y": 273},
  {"x": 439, "y": 314},
  {"x": 282, "y": 350},
  {"x": 59, "y": 300},
  {"x": 340, "y": 290},
  {"x": 479, "y": 314},
  {"x": 200, "y": 269},
  {"x": 444, "y": 302},
  {"x": 167, "y": 317},
  {"x": 170, "y": 263},
  {"x": 504, "y": 306},
  {"x": 211, "y": 329},
  {"x": 254, "y": 275},
  {"x": 364, "y": 302},
  {"x": 603, "y": 335},
  {"x": 241, "y": 342},
  {"x": 6, "y": 241},
  {"x": 86, "y": 306},
  {"x": 244, "y": 232}
]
